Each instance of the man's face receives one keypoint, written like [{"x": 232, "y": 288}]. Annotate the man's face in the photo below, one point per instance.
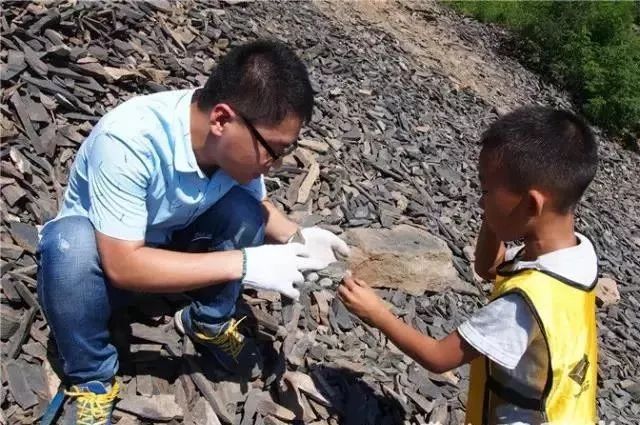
[
  {"x": 240, "y": 152},
  {"x": 505, "y": 211}
]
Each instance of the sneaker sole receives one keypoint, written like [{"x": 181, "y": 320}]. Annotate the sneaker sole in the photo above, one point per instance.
[{"x": 177, "y": 322}]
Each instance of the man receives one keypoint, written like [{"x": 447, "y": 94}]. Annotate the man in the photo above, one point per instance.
[{"x": 166, "y": 195}]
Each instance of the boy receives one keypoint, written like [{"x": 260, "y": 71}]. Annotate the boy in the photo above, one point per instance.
[{"x": 533, "y": 347}]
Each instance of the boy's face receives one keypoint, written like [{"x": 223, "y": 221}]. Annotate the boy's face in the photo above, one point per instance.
[{"x": 507, "y": 213}]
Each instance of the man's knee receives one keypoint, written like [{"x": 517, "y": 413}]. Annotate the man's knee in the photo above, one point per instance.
[
  {"x": 238, "y": 218},
  {"x": 68, "y": 246},
  {"x": 246, "y": 216},
  {"x": 235, "y": 221}
]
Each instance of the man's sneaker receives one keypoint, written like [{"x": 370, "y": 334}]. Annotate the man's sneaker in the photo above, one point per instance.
[
  {"x": 93, "y": 402},
  {"x": 236, "y": 353}
]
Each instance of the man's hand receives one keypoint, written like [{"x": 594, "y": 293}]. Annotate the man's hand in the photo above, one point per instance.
[
  {"x": 322, "y": 245},
  {"x": 278, "y": 267},
  {"x": 361, "y": 300}
]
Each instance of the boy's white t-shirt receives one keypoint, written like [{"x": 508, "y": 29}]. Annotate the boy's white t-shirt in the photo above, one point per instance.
[{"x": 507, "y": 333}]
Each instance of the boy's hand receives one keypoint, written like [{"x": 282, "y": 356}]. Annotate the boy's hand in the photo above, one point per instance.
[{"x": 361, "y": 300}]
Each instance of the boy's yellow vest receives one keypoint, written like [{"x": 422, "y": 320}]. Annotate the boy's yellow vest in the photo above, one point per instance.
[{"x": 566, "y": 316}]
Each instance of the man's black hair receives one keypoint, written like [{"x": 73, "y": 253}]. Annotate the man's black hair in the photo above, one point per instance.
[
  {"x": 264, "y": 80},
  {"x": 551, "y": 149}
]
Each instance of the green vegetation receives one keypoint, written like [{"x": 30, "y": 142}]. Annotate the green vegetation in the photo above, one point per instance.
[{"x": 590, "y": 48}]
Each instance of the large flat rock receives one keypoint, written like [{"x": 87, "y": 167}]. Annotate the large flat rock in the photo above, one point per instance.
[{"x": 406, "y": 258}]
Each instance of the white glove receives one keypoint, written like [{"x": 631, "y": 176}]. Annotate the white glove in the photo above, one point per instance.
[
  {"x": 322, "y": 245},
  {"x": 278, "y": 267}
]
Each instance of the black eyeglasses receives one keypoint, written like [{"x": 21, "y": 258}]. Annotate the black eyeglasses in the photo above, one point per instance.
[{"x": 275, "y": 156}]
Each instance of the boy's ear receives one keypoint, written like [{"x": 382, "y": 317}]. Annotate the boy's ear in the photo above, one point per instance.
[{"x": 537, "y": 201}]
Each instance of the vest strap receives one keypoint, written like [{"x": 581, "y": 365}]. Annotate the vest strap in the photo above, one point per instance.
[{"x": 513, "y": 397}]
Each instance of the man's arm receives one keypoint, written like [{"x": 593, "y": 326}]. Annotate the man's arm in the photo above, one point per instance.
[
  {"x": 279, "y": 228},
  {"x": 489, "y": 253},
  {"x": 133, "y": 266},
  {"x": 130, "y": 265},
  {"x": 435, "y": 355},
  {"x": 119, "y": 175}
]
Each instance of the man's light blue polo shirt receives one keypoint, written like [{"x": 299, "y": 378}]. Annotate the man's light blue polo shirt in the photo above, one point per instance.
[{"x": 136, "y": 176}]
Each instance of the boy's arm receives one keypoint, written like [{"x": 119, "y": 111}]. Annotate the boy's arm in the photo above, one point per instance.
[
  {"x": 435, "y": 355},
  {"x": 489, "y": 253}
]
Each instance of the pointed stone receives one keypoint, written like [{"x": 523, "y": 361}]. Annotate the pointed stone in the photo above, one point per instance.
[
  {"x": 18, "y": 385},
  {"x": 314, "y": 145},
  {"x": 307, "y": 183},
  {"x": 162, "y": 407},
  {"x": 302, "y": 382}
]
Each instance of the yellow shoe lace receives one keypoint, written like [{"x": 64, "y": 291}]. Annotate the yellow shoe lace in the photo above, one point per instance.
[
  {"x": 231, "y": 341},
  {"x": 91, "y": 408}
]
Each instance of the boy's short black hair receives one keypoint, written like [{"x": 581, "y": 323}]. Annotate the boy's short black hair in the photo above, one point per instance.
[
  {"x": 551, "y": 149},
  {"x": 264, "y": 80}
]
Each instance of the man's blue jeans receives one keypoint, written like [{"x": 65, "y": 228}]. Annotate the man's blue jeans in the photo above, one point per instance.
[{"x": 78, "y": 300}]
